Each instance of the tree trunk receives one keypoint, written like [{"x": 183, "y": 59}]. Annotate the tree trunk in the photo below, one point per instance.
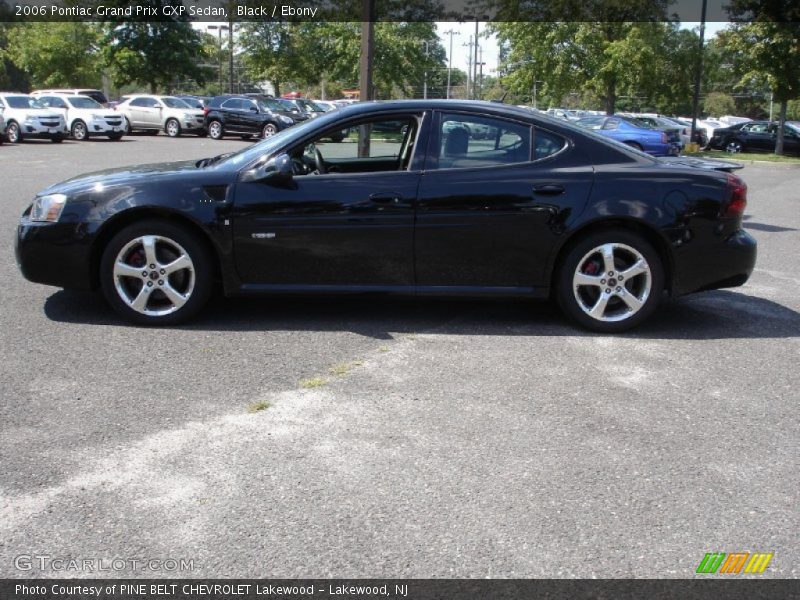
[
  {"x": 611, "y": 98},
  {"x": 153, "y": 88},
  {"x": 781, "y": 121}
]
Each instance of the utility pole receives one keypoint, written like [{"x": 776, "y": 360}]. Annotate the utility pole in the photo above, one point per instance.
[
  {"x": 451, "y": 33},
  {"x": 479, "y": 96},
  {"x": 230, "y": 52},
  {"x": 219, "y": 29},
  {"x": 365, "y": 68},
  {"x": 475, "y": 66},
  {"x": 470, "y": 81}
]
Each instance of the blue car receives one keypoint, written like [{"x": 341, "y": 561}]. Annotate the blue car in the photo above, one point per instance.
[{"x": 635, "y": 134}]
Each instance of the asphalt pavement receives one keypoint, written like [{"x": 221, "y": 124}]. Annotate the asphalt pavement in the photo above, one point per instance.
[{"x": 395, "y": 438}]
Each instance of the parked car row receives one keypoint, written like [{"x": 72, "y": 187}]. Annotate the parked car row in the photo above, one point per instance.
[{"x": 756, "y": 136}]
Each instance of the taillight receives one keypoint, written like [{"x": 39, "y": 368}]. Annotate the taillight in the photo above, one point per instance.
[
  {"x": 737, "y": 202},
  {"x": 664, "y": 137}
]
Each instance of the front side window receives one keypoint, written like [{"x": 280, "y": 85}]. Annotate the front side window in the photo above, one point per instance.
[
  {"x": 475, "y": 141},
  {"x": 233, "y": 104},
  {"x": 170, "y": 102},
  {"x": 390, "y": 148}
]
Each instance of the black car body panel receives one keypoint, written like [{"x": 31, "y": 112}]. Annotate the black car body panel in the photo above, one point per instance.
[{"x": 497, "y": 230}]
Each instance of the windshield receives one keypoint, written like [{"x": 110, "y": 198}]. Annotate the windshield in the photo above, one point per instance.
[
  {"x": 286, "y": 105},
  {"x": 23, "y": 102},
  {"x": 268, "y": 146},
  {"x": 174, "y": 102},
  {"x": 83, "y": 102}
]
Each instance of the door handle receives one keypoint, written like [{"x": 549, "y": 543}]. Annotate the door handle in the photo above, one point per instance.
[
  {"x": 387, "y": 199},
  {"x": 548, "y": 189}
]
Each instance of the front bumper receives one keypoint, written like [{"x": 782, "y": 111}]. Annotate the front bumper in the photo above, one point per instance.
[
  {"x": 47, "y": 129},
  {"x": 57, "y": 254},
  {"x": 105, "y": 127}
]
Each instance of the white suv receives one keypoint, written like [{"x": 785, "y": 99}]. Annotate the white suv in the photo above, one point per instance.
[
  {"x": 156, "y": 113},
  {"x": 84, "y": 116},
  {"x": 26, "y": 117}
]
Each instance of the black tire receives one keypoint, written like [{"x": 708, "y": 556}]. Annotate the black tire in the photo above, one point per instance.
[
  {"x": 635, "y": 145},
  {"x": 570, "y": 296},
  {"x": 169, "y": 234},
  {"x": 734, "y": 146},
  {"x": 79, "y": 131},
  {"x": 115, "y": 137},
  {"x": 13, "y": 133},
  {"x": 57, "y": 138},
  {"x": 215, "y": 130},
  {"x": 269, "y": 130},
  {"x": 172, "y": 128},
  {"x": 337, "y": 138},
  {"x": 128, "y": 129}
]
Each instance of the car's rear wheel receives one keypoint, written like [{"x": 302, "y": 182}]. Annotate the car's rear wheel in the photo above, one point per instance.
[
  {"x": 610, "y": 281},
  {"x": 269, "y": 130},
  {"x": 172, "y": 128},
  {"x": 156, "y": 273},
  {"x": 13, "y": 133},
  {"x": 215, "y": 130},
  {"x": 734, "y": 146},
  {"x": 79, "y": 131}
]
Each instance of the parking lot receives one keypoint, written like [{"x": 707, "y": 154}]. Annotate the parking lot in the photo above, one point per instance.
[{"x": 397, "y": 438}]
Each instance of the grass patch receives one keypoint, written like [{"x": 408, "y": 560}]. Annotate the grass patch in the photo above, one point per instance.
[
  {"x": 383, "y": 349},
  {"x": 340, "y": 369},
  {"x": 314, "y": 382},
  {"x": 258, "y": 407},
  {"x": 739, "y": 156}
]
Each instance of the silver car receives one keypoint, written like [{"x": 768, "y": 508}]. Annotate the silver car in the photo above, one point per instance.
[{"x": 145, "y": 112}]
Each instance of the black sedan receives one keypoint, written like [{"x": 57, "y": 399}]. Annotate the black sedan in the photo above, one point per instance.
[
  {"x": 756, "y": 136},
  {"x": 538, "y": 209}
]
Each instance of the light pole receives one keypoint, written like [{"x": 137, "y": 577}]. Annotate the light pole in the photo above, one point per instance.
[
  {"x": 425, "y": 80},
  {"x": 470, "y": 80},
  {"x": 451, "y": 33},
  {"x": 219, "y": 29}
]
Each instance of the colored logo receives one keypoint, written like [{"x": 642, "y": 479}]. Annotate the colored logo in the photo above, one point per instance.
[{"x": 734, "y": 563}]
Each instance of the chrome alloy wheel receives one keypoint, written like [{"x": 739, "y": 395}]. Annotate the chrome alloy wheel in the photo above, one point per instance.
[
  {"x": 154, "y": 275},
  {"x": 612, "y": 282}
]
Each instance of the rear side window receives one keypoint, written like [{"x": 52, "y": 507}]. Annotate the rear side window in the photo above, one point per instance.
[
  {"x": 467, "y": 141},
  {"x": 95, "y": 95},
  {"x": 546, "y": 144}
]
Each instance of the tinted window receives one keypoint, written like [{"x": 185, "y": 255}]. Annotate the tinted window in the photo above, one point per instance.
[
  {"x": 52, "y": 101},
  {"x": 95, "y": 95},
  {"x": 142, "y": 102},
  {"x": 476, "y": 141},
  {"x": 174, "y": 102},
  {"x": 546, "y": 143},
  {"x": 23, "y": 102},
  {"x": 233, "y": 104},
  {"x": 83, "y": 102}
]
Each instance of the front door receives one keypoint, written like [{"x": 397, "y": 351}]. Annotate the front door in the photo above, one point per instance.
[{"x": 335, "y": 224}]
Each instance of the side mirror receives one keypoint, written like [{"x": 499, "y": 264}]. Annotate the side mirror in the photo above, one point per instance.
[
  {"x": 254, "y": 109},
  {"x": 277, "y": 169}
]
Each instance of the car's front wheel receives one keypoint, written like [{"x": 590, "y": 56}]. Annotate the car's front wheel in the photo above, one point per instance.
[
  {"x": 156, "y": 273},
  {"x": 269, "y": 130},
  {"x": 79, "y": 131},
  {"x": 172, "y": 128},
  {"x": 734, "y": 146},
  {"x": 13, "y": 133},
  {"x": 610, "y": 281}
]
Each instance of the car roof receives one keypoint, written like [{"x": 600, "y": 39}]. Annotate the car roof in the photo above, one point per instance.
[{"x": 440, "y": 104}]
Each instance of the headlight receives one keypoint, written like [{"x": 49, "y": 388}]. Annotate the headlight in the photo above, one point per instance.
[
  {"x": 30, "y": 119},
  {"x": 96, "y": 117},
  {"x": 286, "y": 120},
  {"x": 48, "y": 208}
]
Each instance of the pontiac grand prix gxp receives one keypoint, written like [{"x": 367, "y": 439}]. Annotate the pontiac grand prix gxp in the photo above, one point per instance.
[{"x": 534, "y": 207}]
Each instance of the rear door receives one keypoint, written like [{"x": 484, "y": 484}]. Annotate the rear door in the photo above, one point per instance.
[{"x": 489, "y": 210}]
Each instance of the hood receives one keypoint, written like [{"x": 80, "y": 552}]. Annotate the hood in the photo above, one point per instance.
[
  {"x": 712, "y": 164},
  {"x": 46, "y": 113},
  {"x": 122, "y": 176}
]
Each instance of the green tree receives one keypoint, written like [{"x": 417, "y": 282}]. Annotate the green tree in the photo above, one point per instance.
[
  {"x": 157, "y": 54},
  {"x": 772, "y": 53},
  {"x": 718, "y": 104},
  {"x": 56, "y": 54},
  {"x": 11, "y": 76},
  {"x": 606, "y": 59}
]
